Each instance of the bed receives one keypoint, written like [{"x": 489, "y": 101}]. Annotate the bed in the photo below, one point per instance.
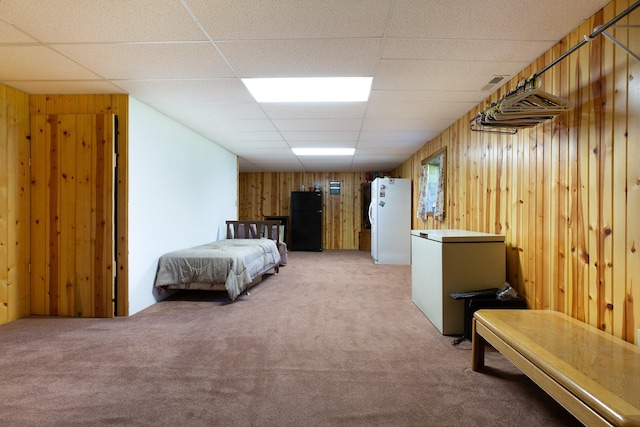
[
  {"x": 271, "y": 229},
  {"x": 234, "y": 265}
]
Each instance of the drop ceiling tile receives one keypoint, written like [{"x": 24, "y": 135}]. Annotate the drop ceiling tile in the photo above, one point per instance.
[
  {"x": 10, "y": 34},
  {"x": 323, "y": 164},
  {"x": 65, "y": 87},
  {"x": 80, "y": 21},
  {"x": 230, "y": 126},
  {"x": 392, "y": 143},
  {"x": 430, "y": 95},
  {"x": 325, "y": 159},
  {"x": 270, "y": 163},
  {"x": 465, "y": 49},
  {"x": 489, "y": 20},
  {"x": 246, "y": 166},
  {"x": 149, "y": 60},
  {"x": 268, "y": 153},
  {"x": 251, "y": 130},
  {"x": 390, "y": 150},
  {"x": 300, "y": 58},
  {"x": 39, "y": 63},
  {"x": 376, "y": 163},
  {"x": 281, "y": 19},
  {"x": 373, "y": 137},
  {"x": 405, "y": 125},
  {"x": 237, "y": 146},
  {"x": 260, "y": 165},
  {"x": 435, "y": 75},
  {"x": 225, "y": 132},
  {"x": 417, "y": 110},
  {"x": 391, "y": 161},
  {"x": 194, "y": 91},
  {"x": 320, "y": 136},
  {"x": 302, "y": 110},
  {"x": 321, "y": 125},
  {"x": 213, "y": 111},
  {"x": 233, "y": 136}
]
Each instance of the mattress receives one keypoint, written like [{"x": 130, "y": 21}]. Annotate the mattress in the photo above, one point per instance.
[{"x": 232, "y": 262}]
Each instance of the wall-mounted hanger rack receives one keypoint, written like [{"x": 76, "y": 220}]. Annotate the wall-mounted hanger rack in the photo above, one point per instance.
[
  {"x": 620, "y": 44},
  {"x": 500, "y": 117},
  {"x": 525, "y": 106},
  {"x": 593, "y": 35}
]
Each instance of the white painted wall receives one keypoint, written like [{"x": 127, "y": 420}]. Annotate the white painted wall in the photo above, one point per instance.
[{"x": 182, "y": 189}]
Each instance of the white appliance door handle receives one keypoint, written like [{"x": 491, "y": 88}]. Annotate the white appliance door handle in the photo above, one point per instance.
[{"x": 370, "y": 213}]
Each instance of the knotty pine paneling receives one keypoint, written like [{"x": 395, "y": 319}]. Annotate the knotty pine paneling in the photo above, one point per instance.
[
  {"x": 72, "y": 215},
  {"x": 101, "y": 104},
  {"x": 14, "y": 204},
  {"x": 566, "y": 193},
  {"x": 263, "y": 194},
  {"x": 629, "y": 184}
]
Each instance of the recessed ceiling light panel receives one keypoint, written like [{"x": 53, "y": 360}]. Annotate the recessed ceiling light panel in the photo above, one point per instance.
[
  {"x": 323, "y": 151},
  {"x": 310, "y": 89}
]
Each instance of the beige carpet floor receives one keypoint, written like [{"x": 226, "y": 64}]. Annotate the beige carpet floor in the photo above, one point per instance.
[{"x": 333, "y": 340}]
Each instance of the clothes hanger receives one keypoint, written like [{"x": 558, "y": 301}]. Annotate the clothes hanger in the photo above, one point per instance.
[{"x": 525, "y": 106}]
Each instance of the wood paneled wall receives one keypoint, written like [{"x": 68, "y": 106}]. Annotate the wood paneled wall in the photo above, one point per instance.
[
  {"x": 14, "y": 204},
  {"x": 262, "y": 194},
  {"x": 101, "y": 104},
  {"x": 72, "y": 215},
  {"x": 566, "y": 194}
]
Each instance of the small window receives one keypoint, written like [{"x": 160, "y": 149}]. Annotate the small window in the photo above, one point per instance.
[{"x": 431, "y": 197}]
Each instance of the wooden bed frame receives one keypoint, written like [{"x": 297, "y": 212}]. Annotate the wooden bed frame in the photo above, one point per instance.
[{"x": 250, "y": 229}]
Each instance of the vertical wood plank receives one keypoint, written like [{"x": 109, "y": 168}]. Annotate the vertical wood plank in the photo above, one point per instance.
[
  {"x": 616, "y": 91},
  {"x": 544, "y": 265},
  {"x": 552, "y": 167},
  {"x": 606, "y": 226},
  {"x": 67, "y": 214},
  {"x": 540, "y": 261},
  {"x": 83, "y": 267},
  {"x": 14, "y": 216},
  {"x": 19, "y": 232},
  {"x": 594, "y": 195},
  {"x": 54, "y": 219},
  {"x": 39, "y": 215},
  {"x": 632, "y": 284},
  {"x": 4, "y": 207},
  {"x": 560, "y": 280},
  {"x": 575, "y": 121},
  {"x": 103, "y": 177},
  {"x": 518, "y": 212},
  {"x": 580, "y": 181}
]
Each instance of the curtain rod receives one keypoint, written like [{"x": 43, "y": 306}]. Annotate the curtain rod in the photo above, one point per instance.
[{"x": 588, "y": 38}]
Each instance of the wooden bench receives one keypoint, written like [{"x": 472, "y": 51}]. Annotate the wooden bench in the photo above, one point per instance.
[{"x": 594, "y": 375}]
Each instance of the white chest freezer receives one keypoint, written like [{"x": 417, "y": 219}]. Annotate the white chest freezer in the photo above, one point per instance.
[{"x": 447, "y": 261}]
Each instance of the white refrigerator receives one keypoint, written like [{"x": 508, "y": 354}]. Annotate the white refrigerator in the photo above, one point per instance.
[{"x": 390, "y": 217}]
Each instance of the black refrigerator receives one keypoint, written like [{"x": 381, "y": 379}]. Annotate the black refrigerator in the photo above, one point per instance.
[{"x": 306, "y": 221}]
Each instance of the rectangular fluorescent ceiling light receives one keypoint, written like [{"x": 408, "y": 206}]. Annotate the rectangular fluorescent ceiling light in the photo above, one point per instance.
[
  {"x": 323, "y": 151},
  {"x": 310, "y": 89}
]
